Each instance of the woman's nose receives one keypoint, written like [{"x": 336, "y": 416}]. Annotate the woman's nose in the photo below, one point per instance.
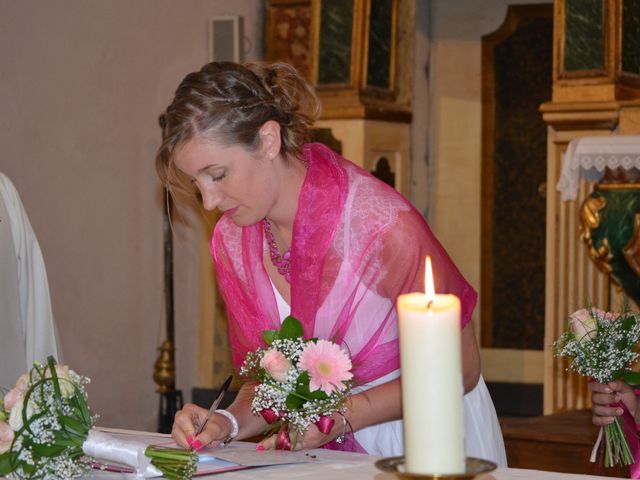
[{"x": 211, "y": 199}]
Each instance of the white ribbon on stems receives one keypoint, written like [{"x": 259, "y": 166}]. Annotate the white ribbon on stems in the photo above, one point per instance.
[{"x": 102, "y": 446}]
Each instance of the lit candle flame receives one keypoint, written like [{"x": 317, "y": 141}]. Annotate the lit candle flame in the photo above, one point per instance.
[{"x": 429, "y": 289}]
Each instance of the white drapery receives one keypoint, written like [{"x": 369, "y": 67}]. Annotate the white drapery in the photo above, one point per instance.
[{"x": 27, "y": 330}]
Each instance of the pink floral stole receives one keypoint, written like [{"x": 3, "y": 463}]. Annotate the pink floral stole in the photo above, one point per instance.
[{"x": 354, "y": 238}]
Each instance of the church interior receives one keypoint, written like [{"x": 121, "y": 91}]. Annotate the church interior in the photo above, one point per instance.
[{"x": 469, "y": 108}]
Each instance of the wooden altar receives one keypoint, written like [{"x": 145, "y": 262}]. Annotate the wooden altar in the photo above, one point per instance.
[{"x": 596, "y": 91}]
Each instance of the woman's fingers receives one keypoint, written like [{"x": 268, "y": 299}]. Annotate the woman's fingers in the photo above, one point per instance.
[
  {"x": 212, "y": 434},
  {"x": 603, "y": 396},
  {"x": 606, "y": 410},
  {"x": 268, "y": 443},
  {"x": 599, "y": 387},
  {"x": 184, "y": 424},
  {"x": 620, "y": 386}
]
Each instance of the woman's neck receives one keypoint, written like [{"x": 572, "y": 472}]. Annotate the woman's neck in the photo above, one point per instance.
[{"x": 282, "y": 215}]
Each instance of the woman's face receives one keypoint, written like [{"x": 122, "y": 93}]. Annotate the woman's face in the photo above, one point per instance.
[{"x": 230, "y": 179}]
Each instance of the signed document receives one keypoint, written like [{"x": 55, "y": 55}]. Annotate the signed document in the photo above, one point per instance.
[{"x": 235, "y": 456}]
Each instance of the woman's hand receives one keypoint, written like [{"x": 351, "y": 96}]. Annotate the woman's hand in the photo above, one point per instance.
[
  {"x": 604, "y": 395},
  {"x": 312, "y": 438},
  {"x": 186, "y": 423}
]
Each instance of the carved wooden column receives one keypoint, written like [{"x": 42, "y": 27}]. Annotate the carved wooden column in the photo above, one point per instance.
[
  {"x": 357, "y": 53},
  {"x": 596, "y": 91}
]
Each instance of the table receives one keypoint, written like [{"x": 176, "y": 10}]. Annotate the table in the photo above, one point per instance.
[
  {"x": 353, "y": 466},
  {"x": 560, "y": 442}
]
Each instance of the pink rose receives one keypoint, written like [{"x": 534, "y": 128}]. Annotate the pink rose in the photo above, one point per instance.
[
  {"x": 583, "y": 324},
  {"x": 608, "y": 316},
  {"x": 15, "y": 417},
  {"x": 6, "y": 437},
  {"x": 15, "y": 395},
  {"x": 276, "y": 364}
]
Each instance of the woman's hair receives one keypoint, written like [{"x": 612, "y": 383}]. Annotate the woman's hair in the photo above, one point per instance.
[{"x": 229, "y": 102}]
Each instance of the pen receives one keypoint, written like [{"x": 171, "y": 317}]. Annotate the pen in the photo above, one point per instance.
[{"x": 215, "y": 404}]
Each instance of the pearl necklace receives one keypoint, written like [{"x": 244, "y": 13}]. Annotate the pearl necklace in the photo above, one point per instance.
[{"x": 281, "y": 261}]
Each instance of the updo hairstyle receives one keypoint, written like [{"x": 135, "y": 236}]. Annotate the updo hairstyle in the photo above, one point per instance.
[{"x": 228, "y": 103}]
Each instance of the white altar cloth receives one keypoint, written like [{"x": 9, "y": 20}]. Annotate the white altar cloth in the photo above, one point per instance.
[
  {"x": 335, "y": 465},
  {"x": 589, "y": 156}
]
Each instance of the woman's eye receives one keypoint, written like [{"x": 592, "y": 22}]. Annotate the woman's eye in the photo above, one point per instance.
[{"x": 217, "y": 178}]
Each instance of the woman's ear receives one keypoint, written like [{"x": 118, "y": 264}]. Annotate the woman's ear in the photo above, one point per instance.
[{"x": 270, "y": 139}]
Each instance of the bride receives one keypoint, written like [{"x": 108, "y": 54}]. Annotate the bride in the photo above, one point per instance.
[{"x": 307, "y": 233}]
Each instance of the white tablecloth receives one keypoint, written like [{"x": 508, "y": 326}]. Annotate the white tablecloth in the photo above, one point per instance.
[
  {"x": 353, "y": 466},
  {"x": 587, "y": 157}
]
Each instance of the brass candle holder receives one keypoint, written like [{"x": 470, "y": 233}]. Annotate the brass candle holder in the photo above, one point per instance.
[{"x": 474, "y": 467}]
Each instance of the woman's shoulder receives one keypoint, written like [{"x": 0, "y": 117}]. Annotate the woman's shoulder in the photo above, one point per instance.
[{"x": 370, "y": 197}]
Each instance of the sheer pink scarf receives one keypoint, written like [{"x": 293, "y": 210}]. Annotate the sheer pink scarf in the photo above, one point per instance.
[{"x": 357, "y": 244}]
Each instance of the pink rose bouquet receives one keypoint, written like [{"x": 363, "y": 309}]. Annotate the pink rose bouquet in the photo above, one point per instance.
[
  {"x": 46, "y": 431},
  {"x": 300, "y": 382},
  {"x": 603, "y": 346}
]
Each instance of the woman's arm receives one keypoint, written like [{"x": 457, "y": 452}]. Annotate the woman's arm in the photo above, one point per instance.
[{"x": 470, "y": 358}]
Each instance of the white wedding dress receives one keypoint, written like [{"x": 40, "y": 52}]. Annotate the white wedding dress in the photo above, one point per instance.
[{"x": 483, "y": 437}]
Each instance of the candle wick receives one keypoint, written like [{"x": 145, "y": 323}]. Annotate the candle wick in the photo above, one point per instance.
[{"x": 429, "y": 303}]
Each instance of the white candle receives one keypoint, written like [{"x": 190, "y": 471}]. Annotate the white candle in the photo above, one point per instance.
[{"x": 432, "y": 388}]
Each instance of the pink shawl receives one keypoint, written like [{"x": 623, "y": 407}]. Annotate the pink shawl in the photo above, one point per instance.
[{"x": 357, "y": 244}]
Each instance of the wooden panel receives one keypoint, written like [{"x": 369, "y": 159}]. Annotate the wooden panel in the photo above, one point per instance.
[
  {"x": 584, "y": 35},
  {"x": 511, "y": 365},
  {"x": 288, "y": 33},
  {"x": 571, "y": 278},
  {"x": 515, "y": 80},
  {"x": 559, "y": 443}
]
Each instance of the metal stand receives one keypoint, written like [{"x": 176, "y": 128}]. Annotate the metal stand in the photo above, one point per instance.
[{"x": 164, "y": 370}]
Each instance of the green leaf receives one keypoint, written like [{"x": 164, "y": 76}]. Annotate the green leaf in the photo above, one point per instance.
[
  {"x": 628, "y": 322},
  {"x": 303, "y": 379},
  {"x": 632, "y": 378},
  {"x": 318, "y": 395},
  {"x": 294, "y": 402},
  {"x": 269, "y": 336},
  {"x": 54, "y": 377},
  {"x": 48, "y": 450},
  {"x": 6, "y": 460},
  {"x": 61, "y": 438},
  {"x": 302, "y": 387},
  {"x": 74, "y": 426},
  {"x": 291, "y": 328}
]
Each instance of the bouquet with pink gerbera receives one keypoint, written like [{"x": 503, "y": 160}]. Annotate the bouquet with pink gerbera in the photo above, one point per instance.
[{"x": 300, "y": 382}]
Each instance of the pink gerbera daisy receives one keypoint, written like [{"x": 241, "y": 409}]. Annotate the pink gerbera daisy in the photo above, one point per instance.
[{"x": 327, "y": 364}]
